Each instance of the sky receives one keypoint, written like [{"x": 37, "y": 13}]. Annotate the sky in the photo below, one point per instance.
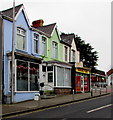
[{"x": 89, "y": 19}]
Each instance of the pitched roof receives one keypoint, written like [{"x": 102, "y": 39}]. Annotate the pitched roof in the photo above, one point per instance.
[
  {"x": 67, "y": 38},
  {"x": 110, "y": 72},
  {"x": 48, "y": 29},
  {"x": 9, "y": 12}
]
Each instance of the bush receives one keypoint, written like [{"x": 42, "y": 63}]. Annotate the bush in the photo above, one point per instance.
[{"x": 48, "y": 92}]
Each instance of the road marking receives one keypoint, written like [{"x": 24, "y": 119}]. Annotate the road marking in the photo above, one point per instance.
[{"x": 99, "y": 108}]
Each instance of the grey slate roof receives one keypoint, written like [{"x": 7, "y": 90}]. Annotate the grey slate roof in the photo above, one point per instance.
[
  {"x": 67, "y": 38},
  {"x": 9, "y": 12},
  {"x": 48, "y": 29}
]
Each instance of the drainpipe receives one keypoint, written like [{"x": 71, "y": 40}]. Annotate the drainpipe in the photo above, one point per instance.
[
  {"x": 1, "y": 59},
  {"x": 13, "y": 57}
]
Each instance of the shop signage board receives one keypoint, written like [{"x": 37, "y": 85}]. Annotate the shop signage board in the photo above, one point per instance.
[{"x": 82, "y": 70}]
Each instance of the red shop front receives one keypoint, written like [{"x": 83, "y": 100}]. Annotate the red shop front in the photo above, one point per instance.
[{"x": 82, "y": 80}]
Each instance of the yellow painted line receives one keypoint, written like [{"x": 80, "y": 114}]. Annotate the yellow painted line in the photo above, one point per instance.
[
  {"x": 21, "y": 114},
  {"x": 93, "y": 110}
]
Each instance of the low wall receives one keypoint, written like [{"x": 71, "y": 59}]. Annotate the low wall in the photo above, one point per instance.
[{"x": 62, "y": 90}]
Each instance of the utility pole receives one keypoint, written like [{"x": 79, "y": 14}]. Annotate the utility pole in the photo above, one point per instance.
[{"x": 13, "y": 57}]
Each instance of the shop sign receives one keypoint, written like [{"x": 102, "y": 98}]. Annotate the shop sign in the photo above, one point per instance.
[{"x": 82, "y": 70}]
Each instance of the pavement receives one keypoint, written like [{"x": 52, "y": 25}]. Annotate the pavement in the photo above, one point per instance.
[{"x": 42, "y": 103}]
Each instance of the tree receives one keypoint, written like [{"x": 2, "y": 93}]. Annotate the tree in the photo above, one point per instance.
[{"x": 88, "y": 56}]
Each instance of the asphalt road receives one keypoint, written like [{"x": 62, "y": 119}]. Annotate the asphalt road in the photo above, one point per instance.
[{"x": 93, "y": 108}]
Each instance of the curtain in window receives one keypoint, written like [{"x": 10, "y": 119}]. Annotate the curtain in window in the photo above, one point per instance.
[
  {"x": 44, "y": 46},
  {"x": 21, "y": 36},
  {"x": 60, "y": 76},
  {"x": 67, "y": 77},
  {"x": 35, "y": 46},
  {"x": 54, "y": 49},
  {"x": 36, "y": 37},
  {"x": 20, "y": 42}
]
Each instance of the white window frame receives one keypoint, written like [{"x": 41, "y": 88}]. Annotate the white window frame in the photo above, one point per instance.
[
  {"x": 23, "y": 35},
  {"x": 54, "y": 50},
  {"x": 9, "y": 76},
  {"x": 65, "y": 54},
  {"x": 45, "y": 46},
  {"x": 35, "y": 39},
  {"x": 28, "y": 76},
  {"x": 63, "y": 78},
  {"x": 73, "y": 55}
]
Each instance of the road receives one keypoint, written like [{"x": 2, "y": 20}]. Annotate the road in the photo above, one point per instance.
[{"x": 93, "y": 108}]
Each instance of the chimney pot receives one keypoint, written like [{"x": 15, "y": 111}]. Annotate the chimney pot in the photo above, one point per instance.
[{"x": 37, "y": 23}]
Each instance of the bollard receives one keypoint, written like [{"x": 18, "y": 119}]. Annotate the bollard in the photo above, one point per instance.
[
  {"x": 37, "y": 96},
  {"x": 100, "y": 90},
  {"x": 73, "y": 94},
  {"x": 91, "y": 92}
]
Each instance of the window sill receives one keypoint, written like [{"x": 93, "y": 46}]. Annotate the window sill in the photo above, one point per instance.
[
  {"x": 26, "y": 91},
  {"x": 62, "y": 87}
]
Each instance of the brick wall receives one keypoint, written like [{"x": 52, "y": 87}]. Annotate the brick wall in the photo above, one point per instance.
[{"x": 62, "y": 90}]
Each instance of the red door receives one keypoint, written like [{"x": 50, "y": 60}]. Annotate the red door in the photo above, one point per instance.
[
  {"x": 78, "y": 83},
  {"x": 86, "y": 84}
]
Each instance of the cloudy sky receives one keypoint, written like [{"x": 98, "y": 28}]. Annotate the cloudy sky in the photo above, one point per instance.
[{"x": 89, "y": 19}]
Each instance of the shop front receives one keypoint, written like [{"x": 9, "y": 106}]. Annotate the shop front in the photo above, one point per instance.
[
  {"x": 82, "y": 80},
  {"x": 27, "y": 77}
]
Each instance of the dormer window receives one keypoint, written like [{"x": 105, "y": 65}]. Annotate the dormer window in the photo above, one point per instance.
[{"x": 21, "y": 39}]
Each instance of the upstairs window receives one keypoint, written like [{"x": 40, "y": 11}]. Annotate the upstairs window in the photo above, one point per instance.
[
  {"x": 65, "y": 53},
  {"x": 54, "y": 50},
  {"x": 73, "y": 55},
  {"x": 36, "y": 37},
  {"x": 44, "y": 46},
  {"x": 21, "y": 39}
]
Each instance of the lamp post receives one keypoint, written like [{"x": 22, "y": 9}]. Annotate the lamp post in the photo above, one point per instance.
[{"x": 13, "y": 57}]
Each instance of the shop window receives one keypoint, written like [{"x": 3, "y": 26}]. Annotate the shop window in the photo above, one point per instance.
[
  {"x": 27, "y": 76},
  {"x": 21, "y": 39},
  {"x": 34, "y": 76},
  {"x": 22, "y": 76}
]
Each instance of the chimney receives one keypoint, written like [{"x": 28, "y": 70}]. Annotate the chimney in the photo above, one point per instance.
[{"x": 37, "y": 23}]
